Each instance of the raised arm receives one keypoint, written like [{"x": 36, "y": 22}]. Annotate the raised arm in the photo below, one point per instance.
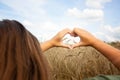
[
  {"x": 108, "y": 51},
  {"x": 56, "y": 40}
]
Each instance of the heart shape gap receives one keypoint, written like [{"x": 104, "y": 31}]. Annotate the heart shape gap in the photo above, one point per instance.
[{"x": 70, "y": 40}]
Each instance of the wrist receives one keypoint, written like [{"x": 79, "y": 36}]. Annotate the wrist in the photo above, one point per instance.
[
  {"x": 51, "y": 43},
  {"x": 95, "y": 42}
]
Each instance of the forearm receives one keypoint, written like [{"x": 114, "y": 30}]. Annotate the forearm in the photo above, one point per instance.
[
  {"x": 108, "y": 51},
  {"x": 46, "y": 45}
]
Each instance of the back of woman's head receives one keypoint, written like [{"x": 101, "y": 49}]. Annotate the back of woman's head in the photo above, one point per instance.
[{"x": 20, "y": 53}]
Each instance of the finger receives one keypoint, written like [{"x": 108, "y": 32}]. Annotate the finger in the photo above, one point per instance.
[
  {"x": 75, "y": 45},
  {"x": 79, "y": 44},
  {"x": 66, "y": 46},
  {"x": 65, "y": 31},
  {"x": 73, "y": 34}
]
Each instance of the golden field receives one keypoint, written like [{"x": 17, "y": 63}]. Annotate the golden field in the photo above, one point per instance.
[{"x": 79, "y": 63}]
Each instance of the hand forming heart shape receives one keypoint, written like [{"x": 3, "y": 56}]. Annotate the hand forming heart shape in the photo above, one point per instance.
[
  {"x": 70, "y": 40},
  {"x": 83, "y": 38}
]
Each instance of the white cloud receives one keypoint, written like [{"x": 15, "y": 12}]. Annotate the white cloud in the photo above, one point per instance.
[
  {"x": 34, "y": 16},
  {"x": 111, "y": 29},
  {"x": 43, "y": 31},
  {"x": 104, "y": 36},
  {"x": 37, "y": 20},
  {"x": 96, "y": 3},
  {"x": 49, "y": 26},
  {"x": 27, "y": 23},
  {"x": 73, "y": 12},
  {"x": 30, "y": 9},
  {"x": 109, "y": 33},
  {"x": 108, "y": 28},
  {"x": 88, "y": 14}
]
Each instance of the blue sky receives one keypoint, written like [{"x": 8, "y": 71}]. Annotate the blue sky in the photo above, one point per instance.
[{"x": 44, "y": 18}]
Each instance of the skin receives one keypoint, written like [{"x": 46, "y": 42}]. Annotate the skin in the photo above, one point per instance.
[
  {"x": 56, "y": 41},
  {"x": 87, "y": 38},
  {"x": 108, "y": 51}
]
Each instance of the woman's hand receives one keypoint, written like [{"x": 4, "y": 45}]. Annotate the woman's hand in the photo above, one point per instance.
[
  {"x": 85, "y": 37},
  {"x": 56, "y": 41},
  {"x": 108, "y": 51}
]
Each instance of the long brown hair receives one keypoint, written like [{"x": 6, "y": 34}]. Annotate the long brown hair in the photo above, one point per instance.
[{"x": 20, "y": 53}]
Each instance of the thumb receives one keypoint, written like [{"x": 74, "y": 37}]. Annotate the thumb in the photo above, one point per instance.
[
  {"x": 66, "y": 46},
  {"x": 78, "y": 44}
]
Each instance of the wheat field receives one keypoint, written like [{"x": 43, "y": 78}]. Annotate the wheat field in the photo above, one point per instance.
[{"x": 78, "y": 63}]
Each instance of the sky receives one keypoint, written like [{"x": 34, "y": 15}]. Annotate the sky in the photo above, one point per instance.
[{"x": 44, "y": 18}]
